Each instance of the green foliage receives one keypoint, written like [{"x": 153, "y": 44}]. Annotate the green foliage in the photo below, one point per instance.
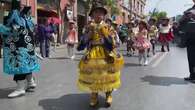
[
  {"x": 113, "y": 6},
  {"x": 158, "y": 14}
]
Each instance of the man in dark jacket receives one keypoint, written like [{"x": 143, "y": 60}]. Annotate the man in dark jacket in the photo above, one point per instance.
[
  {"x": 187, "y": 25},
  {"x": 44, "y": 38}
]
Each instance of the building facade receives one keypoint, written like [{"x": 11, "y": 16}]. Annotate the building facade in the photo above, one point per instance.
[
  {"x": 5, "y": 7},
  {"x": 137, "y": 8},
  {"x": 130, "y": 10}
]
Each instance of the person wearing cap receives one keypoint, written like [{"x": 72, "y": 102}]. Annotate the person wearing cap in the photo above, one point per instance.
[
  {"x": 165, "y": 34},
  {"x": 71, "y": 39},
  {"x": 152, "y": 34},
  {"x": 142, "y": 43},
  {"x": 18, "y": 49},
  {"x": 99, "y": 68},
  {"x": 186, "y": 26}
]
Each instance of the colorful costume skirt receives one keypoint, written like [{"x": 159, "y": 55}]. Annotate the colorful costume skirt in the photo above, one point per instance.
[
  {"x": 141, "y": 43},
  {"x": 99, "y": 70},
  {"x": 165, "y": 38}
]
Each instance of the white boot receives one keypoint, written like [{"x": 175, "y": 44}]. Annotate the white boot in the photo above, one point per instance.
[
  {"x": 146, "y": 63},
  {"x": 20, "y": 90},
  {"x": 73, "y": 57},
  {"x": 30, "y": 82}
]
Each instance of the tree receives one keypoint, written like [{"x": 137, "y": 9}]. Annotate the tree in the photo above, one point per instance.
[
  {"x": 158, "y": 14},
  {"x": 112, "y": 4}
]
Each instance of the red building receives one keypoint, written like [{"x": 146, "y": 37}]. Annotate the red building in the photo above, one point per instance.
[{"x": 31, "y": 3}]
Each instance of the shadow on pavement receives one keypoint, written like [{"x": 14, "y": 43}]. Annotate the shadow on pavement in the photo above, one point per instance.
[
  {"x": 70, "y": 102},
  {"x": 80, "y": 54},
  {"x": 131, "y": 65},
  {"x": 4, "y": 92},
  {"x": 122, "y": 50},
  {"x": 164, "y": 81},
  {"x": 59, "y": 58},
  {"x": 135, "y": 55}
]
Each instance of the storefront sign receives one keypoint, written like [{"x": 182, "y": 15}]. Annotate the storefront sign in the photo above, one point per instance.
[{"x": 69, "y": 14}]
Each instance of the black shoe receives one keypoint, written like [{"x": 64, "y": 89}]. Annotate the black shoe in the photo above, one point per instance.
[
  {"x": 189, "y": 79},
  {"x": 154, "y": 53},
  {"x": 162, "y": 50}
]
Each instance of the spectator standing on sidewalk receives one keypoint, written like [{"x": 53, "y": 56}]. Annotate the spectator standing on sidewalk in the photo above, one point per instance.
[
  {"x": 42, "y": 37},
  {"x": 48, "y": 31},
  {"x": 71, "y": 39},
  {"x": 54, "y": 33}
]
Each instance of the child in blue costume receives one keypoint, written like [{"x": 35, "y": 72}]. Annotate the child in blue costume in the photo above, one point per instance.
[{"x": 18, "y": 49}]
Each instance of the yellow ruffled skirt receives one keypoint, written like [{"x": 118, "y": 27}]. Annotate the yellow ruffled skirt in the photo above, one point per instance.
[{"x": 100, "y": 71}]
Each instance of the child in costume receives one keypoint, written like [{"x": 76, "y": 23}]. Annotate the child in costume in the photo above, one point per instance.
[
  {"x": 19, "y": 57},
  {"x": 71, "y": 39},
  {"x": 152, "y": 34},
  {"x": 165, "y": 34},
  {"x": 142, "y": 43},
  {"x": 130, "y": 39},
  {"x": 99, "y": 69}
]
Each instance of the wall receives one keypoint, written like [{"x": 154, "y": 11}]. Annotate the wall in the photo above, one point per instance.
[{"x": 31, "y": 3}]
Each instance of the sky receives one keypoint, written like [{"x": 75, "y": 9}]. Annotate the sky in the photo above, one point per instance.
[{"x": 172, "y": 7}]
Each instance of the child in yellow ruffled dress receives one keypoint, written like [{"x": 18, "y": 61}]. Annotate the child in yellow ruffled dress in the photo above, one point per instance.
[{"x": 99, "y": 69}]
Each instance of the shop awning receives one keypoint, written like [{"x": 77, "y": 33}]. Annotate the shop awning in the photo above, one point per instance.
[{"x": 44, "y": 12}]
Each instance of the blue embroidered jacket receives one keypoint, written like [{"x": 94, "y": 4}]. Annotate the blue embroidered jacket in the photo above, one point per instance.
[{"x": 18, "y": 45}]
